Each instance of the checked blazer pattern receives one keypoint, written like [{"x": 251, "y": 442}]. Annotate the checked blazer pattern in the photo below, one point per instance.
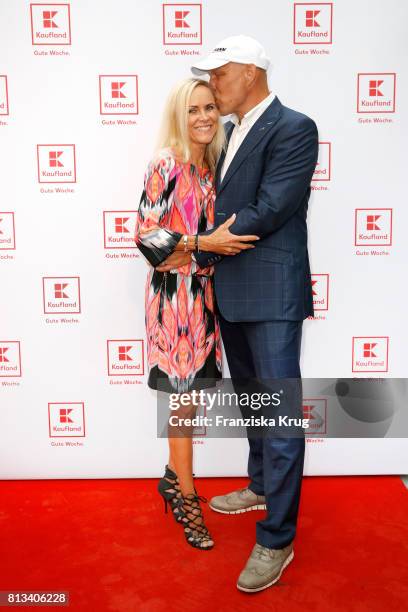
[{"x": 268, "y": 186}]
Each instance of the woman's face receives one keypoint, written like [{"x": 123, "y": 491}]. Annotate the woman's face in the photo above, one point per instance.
[{"x": 203, "y": 116}]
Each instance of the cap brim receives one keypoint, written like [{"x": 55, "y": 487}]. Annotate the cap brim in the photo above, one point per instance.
[{"x": 208, "y": 64}]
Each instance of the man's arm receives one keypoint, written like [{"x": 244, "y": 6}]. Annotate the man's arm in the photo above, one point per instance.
[
  {"x": 221, "y": 242},
  {"x": 287, "y": 177}
]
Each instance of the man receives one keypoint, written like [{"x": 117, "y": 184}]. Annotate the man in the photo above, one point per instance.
[{"x": 263, "y": 294}]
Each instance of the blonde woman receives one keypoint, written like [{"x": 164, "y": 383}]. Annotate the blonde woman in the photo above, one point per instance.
[{"x": 183, "y": 335}]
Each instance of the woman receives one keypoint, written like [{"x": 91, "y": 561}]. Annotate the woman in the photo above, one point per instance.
[{"x": 183, "y": 336}]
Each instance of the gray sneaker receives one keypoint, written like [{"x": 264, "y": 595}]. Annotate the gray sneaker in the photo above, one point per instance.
[
  {"x": 264, "y": 567},
  {"x": 236, "y": 502}
]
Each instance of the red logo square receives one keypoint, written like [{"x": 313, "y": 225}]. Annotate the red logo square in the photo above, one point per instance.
[
  {"x": 182, "y": 24},
  {"x": 373, "y": 227},
  {"x": 313, "y": 23},
  {"x": 376, "y": 92},
  {"x": 50, "y": 24},
  {"x": 370, "y": 353}
]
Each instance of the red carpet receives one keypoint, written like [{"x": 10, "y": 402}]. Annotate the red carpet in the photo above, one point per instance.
[{"x": 109, "y": 543}]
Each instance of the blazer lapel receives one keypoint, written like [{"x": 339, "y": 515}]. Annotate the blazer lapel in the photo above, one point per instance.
[
  {"x": 228, "y": 132},
  {"x": 260, "y": 128}
]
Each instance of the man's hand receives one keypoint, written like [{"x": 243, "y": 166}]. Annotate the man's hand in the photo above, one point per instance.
[
  {"x": 175, "y": 260},
  {"x": 221, "y": 241}
]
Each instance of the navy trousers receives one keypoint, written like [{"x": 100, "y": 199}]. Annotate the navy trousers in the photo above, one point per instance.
[{"x": 264, "y": 351}]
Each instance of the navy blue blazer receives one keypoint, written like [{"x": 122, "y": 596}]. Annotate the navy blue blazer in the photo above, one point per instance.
[{"x": 268, "y": 186}]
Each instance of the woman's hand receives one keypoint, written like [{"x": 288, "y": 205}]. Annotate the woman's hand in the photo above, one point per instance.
[
  {"x": 175, "y": 260},
  {"x": 223, "y": 242}
]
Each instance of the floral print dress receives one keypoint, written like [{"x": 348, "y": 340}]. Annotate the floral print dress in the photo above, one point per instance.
[{"x": 183, "y": 335}]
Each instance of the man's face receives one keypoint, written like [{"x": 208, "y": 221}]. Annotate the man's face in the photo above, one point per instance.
[{"x": 229, "y": 86}]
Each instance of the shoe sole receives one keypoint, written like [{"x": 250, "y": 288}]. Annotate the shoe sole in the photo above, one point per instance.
[
  {"x": 256, "y": 507},
  {"x": 284, "y": 566}
]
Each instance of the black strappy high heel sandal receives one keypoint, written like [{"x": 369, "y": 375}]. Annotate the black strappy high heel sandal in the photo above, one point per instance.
[
  {"x": 196, "y": 533},
  {"x": 169, "y": 489}
]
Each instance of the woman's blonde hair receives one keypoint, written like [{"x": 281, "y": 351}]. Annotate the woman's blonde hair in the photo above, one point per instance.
[{"x": 173, "y": 134}]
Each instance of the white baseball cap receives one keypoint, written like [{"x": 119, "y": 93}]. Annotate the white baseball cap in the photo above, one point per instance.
[{"x": 240, "y": 49}]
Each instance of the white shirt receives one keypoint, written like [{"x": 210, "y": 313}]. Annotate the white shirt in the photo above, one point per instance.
[{"x": 240, "y": 130}]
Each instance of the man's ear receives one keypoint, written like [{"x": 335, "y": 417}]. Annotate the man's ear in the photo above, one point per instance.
[{"x": 250, "y": 74}]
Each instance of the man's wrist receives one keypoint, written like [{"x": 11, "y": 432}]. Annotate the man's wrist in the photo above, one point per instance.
[{"x": 205, "y": 243}]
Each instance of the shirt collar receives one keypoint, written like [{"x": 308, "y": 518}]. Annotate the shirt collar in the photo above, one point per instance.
[{"x": 256, "y": 110}]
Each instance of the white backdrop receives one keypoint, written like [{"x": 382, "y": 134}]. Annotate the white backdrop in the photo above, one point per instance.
[{"x": 73, "y": 393}]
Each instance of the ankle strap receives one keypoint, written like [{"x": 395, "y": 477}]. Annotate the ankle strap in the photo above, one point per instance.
[
  {"x": 195, "y": 498},
  {"x": 169, "y": 473}
]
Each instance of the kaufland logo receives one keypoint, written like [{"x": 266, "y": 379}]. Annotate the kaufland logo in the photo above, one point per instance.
[
  {"x": 4, "y": 106},
  {"x": 320, "y": 291},
  {"x": 182, "y": 24},
  {"x": 50, "y": 24},
  {"x": 125, "y": 357},
  {"x": 10, "y": 358},
  {"x": 313, "y": 23},
  {"x": 118, "y": 94},
  {"x": 56, "y": 163},
  {"x": 370, "y": 353},
  {"x": 373, "y": 226},
  {"x": 323, "y": 167},
  {"x": 119, "y": 229},
  {"x": 61, "y": 295},
  {"x": 376, "y": 92},
  {"x": 66, "y": 419},
  {"x": 7, "y": 231},
  {"x": 315, "y": 411},
  {"x": 180, "y": 19}
]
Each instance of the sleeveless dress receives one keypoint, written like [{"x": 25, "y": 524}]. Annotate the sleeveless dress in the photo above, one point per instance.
[{"x": 183, "y": 334}]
